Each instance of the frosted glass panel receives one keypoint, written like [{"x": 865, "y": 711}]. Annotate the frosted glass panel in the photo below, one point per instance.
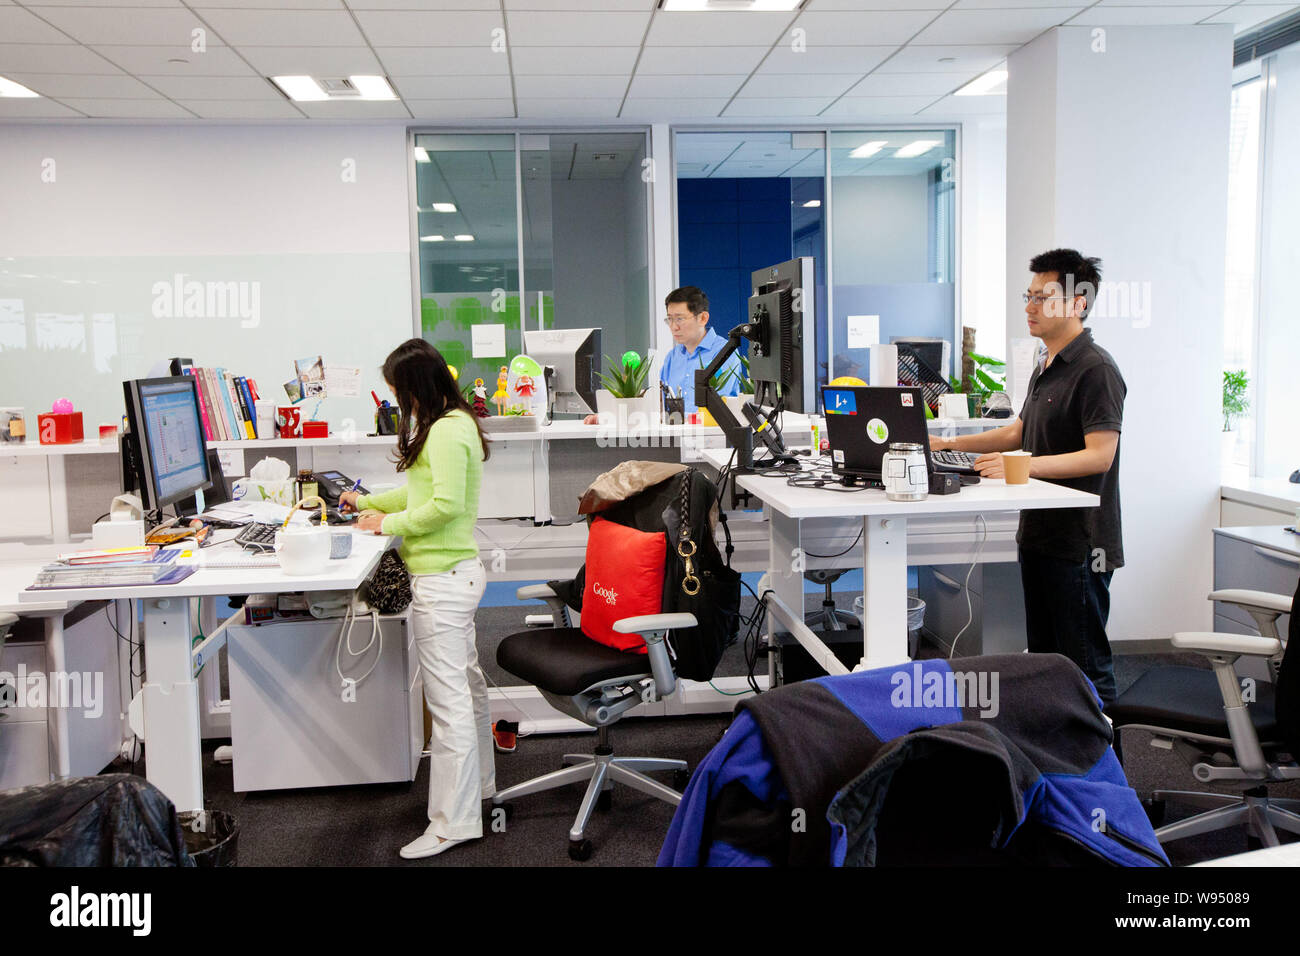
[{"x": 77, "y": 327}]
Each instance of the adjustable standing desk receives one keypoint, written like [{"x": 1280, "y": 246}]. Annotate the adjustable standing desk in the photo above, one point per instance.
[
  {"x": 884, "y": 550},
  {"x": 173, "y": 756}
]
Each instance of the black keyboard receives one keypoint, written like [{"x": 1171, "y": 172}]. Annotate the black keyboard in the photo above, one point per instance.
[
  {"x": 257, "y": 536},
  {"x": 949, "y": 460}
]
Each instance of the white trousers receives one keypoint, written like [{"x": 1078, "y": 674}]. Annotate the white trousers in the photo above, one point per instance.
[{"x": 461, "y": 769}]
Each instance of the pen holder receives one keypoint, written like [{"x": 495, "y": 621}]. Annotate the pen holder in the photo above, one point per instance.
[
  {"x": 386, "y": 420},
  {"x": 674, "y": 410}
]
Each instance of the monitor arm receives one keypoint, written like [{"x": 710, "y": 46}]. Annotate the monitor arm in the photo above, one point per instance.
[{"x": 740, "y": 435}]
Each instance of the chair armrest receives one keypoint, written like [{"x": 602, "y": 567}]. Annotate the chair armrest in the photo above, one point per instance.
[
  {"x": 643, "y": 623},
  {"x": 1219, "y": 643},
  {"x": 535, "y": 592},
  {"x": 1263, "y": 600}
]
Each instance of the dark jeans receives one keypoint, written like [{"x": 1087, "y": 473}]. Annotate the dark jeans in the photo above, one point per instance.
[{"x": 1066, "y": 607}]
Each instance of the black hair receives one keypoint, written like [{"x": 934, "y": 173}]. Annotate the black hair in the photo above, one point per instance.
[
  {"x": 692, "y": 296},
  {"x": 421, "y": 378},
  {"x": 1077, "y": 273}
]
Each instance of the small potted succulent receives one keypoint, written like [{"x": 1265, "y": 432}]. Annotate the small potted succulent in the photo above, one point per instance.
[{"x": 625, "y": 390}]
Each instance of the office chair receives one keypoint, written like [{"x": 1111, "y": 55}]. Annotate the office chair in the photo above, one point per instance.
[
  {"x": 1202, "y": 715},
  {"x": 830, "y": 618},
  {"x": 596, "y": 684}
]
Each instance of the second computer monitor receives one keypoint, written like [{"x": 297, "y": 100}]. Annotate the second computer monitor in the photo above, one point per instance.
[
  {"x": 574, "y": 354},
  {"x": 164, "y": 419},
  {"x": 781, "y": 364}
]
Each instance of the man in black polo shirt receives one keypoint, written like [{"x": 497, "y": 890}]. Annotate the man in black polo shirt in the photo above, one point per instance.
[{"x": 1070, "y": 423}]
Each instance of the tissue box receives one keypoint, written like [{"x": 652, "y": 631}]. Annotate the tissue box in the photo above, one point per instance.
[
  {"x": 59, "y": 428},
  {"x": 252, "y": 489},
  {"x": 315, "y": 430}
]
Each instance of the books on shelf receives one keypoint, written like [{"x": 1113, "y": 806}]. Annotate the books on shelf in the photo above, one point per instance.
[{"x": 227, "y": 403}]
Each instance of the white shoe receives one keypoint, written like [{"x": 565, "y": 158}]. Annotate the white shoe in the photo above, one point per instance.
[{"x": 428, "y": 844}]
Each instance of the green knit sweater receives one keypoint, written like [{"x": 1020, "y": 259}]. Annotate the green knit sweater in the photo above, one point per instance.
[{"x": 436, "y": 510}]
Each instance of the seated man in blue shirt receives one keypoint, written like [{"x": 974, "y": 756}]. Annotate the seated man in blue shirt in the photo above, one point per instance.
[{"x": 694, "y": 347}]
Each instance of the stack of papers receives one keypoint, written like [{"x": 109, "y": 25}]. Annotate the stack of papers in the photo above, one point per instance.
[{"x": 159, "y": 568}]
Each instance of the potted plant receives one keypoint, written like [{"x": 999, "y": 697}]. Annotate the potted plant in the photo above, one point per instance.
[
  {"x": 1235, "y": 404},
  {"x": 624, "y": 391},
  {"x": 987, "y": 376}
]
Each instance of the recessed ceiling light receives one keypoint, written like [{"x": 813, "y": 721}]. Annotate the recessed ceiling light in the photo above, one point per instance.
[
  {"x": 421, "y": 154},
  {"x": 916, "y": 148},
  {"x": 869, "y": 149},
  {"x": 373, "y": 87},
  {"x": 984, "y": 85},
  {"x": 464, "y": 238},
  {"x": 433, "y": 238},
  {"x": 812, "y": 204},
  {"x": 300, "y": 88},
  {"x": 444, "y": 207},
  {"x": 10, "y": 88},
  {"x": 691, "y": 6}
]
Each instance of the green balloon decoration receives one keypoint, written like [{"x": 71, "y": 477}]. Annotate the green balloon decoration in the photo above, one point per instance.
[{"x": 631, "y": 359}]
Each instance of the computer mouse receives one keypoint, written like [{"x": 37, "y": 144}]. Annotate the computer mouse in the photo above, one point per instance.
[{"x": 1295, "y": 477}]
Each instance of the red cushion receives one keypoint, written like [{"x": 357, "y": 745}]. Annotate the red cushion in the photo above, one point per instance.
[{"x": 625, "y": 578}]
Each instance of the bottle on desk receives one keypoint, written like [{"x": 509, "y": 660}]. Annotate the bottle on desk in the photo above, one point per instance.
[{"x": 307, "y": 487}]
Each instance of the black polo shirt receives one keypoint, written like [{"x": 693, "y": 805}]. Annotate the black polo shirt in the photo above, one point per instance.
[{"x": 1081, "y": 391}]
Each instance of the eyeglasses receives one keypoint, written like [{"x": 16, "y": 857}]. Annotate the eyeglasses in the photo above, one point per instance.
[
  {"x": 672, "y": 321},
  {"x": 1039, "y": 299}
]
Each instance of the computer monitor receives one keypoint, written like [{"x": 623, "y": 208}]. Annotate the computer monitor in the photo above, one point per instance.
[
  {"x": 218, "y": 494},
  {"x": 572, "y": 360},
  {"x": 165, "y": 435},
  {"x": 781, "y": 357},
  {"x": 936, "y": 353}
]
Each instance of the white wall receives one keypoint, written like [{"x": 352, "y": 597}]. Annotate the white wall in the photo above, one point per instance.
[
  {"x": 983, "y": 232},
  {"x": 96, "y": 214},
  {"x": 1123, "y": 154}
]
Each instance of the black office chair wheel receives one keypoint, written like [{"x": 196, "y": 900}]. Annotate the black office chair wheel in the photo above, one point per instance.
[
  {"x": 680, "y": 779},
  {"x": 580, "y": 850},
  {"x": 605, "y": 801},
  {"x": 1155, "y": 811}
]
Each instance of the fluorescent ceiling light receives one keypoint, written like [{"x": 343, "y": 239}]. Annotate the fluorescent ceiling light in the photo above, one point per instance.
[
  {"x": 373, "y": 87},
  {"x": 444, "y": 207},
  {"x": 916, "y": 149},
  {"x": 684, "y": 6},
  {"x": 869, "y": 149},
  {"x": 983, "y": 85},
  {"x": 300, "y": 88},
  {"x": 812, "y": 204},
  {"x": 421, "y": 155},
  {"x": 433, "y": 238},
  {"x": 464, "y": 238},
  {"x": 10, "y": 88}
]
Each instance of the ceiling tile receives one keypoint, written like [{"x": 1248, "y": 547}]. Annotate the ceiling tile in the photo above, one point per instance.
[
  {"x": 51, "y": 58},
  {"x": 59, "y": 86},
  {"x": 14, "y": 108},
  {"x": 867, "y": 28},
  {"x": 1160, "y": 3},
  {"x": 242, "y": 109},
  {"x": 961, "y": 59},
  {"x": 19, "y": 26},
  {"x": 548, "y": 87},
  {"x": 354, "y": 109},
  {"x": 156, "y": 61},
  {"x": 859, "y": 5},
  {"x": 718, "y": 29},
  {"x": 429, "y": 110},
  {"x": 910, "y": 84},
  {"x": 993, "y": 26},
  {"x": 815, "y": 84},
  {"x": 826, "y": 59},
  {"x": 102, "y": 3},
  {"x": 214, "y": 87},
  {"x": 1142, "y": 16},
  {"x": 130, "y": 109},
  {"x": 427, "y": 5},
  {"x": 406, "y": 28},
  {"x": 414, "y": 61},
  {"x": 869, "y": 106},
  {"x": 566, "y": 108},
  {"x": 778, "y": 107},
  {"x": 451, "y": 87},
  {"x": 1246, "y": 16},
  {"x": 265, "y": 5},
  {"x": 621, "y": 5},
  {"x": 951, "y": 106},
  {"x": 653, "y": 108},
  {"x": 96, "y": 25},
  {"x": 284, "y": 27},
  {"x": 1018, "y": 4},
  {"x": 576, "y": 28},
  {"x": 669, "y": 60},
  {"x": 685, "y": 86},
  {"x": 312, "y": 61}
]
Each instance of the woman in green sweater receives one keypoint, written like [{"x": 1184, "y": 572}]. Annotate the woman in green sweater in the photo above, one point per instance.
[{"x": 442, "y": 450}]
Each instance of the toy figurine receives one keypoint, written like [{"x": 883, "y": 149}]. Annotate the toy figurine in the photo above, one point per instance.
[
  {"x": 526, "y": 388},
  {"x": 500, "y": 396},
  {"x": 480, "y": 399}
]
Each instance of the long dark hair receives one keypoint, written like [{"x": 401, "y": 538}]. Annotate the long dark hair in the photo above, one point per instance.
[{"x": 419, "y": 375}]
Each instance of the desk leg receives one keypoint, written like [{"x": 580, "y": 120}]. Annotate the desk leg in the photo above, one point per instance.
[
  {"x": 173, "y": 760},
  {"x": 56, "y": 663},
  {"x": 786, "y": 564},
  {"x": 884, "y": 592},
  {"x": 58, "y": 477}
]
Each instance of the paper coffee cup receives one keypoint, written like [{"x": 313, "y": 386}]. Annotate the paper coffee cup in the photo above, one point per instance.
[{"x": 1015, "y": 465}]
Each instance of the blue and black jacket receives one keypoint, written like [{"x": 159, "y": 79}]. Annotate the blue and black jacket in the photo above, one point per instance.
[{"x": 998, "y": 760}]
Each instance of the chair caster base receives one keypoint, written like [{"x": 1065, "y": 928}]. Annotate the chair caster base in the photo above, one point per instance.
[
  {"x": 605, "y": 801},
  {"x": 580, "y": 850},
  {"x": 680, "y": 779}
]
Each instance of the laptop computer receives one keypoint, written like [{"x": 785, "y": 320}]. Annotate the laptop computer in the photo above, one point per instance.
[{"x": 863, "y": 421}]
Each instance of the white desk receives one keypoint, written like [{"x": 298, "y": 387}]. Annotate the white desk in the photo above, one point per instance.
[
  {"x": 170, "y": 695},
  {"x": 884, "y": 549}
]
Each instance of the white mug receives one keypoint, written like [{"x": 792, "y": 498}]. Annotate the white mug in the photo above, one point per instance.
[{"x": 303, "y": 550}]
